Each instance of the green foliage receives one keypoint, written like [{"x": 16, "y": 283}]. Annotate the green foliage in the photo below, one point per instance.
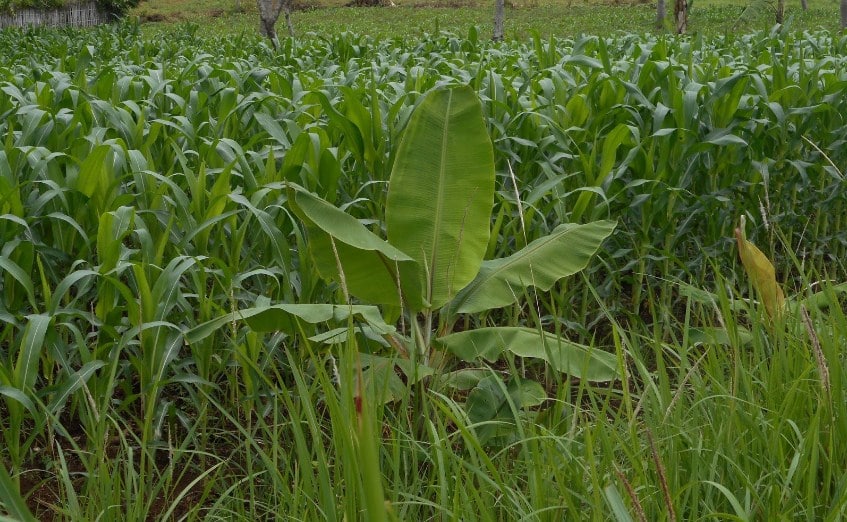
[
  {"x": 166, "y": 332},
  {"x": 563, "y": 252},
  {"x": 564, "y": 356},
  {"x": 439, "y": 206}
]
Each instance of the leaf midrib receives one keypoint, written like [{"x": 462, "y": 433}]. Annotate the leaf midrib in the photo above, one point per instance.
[{"x": 439, "y": 204}]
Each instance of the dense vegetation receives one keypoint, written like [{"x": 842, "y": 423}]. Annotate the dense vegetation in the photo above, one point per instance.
[{"x": 146, "y": 206}]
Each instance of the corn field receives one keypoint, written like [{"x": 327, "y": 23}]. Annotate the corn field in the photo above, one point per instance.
[{"x": 152, "y": 252}]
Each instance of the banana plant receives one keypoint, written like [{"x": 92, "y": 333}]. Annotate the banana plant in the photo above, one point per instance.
[{"x": 431, "y": 265}]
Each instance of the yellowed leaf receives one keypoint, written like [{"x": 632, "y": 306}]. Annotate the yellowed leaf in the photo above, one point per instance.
[{"x": 762, "y": 274}]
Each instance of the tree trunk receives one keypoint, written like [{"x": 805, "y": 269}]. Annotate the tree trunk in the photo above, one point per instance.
[
  {"x": 499, "y": 13},
  {"x": 844, "y": 14},
  {"x": 680, "y": 14},
  {"x": 286, "y": 5},
  {"x": 780, "y": 11},
  {"x": 268, "y": 15},
  {"x": 661, "y": 13},
  {"x": 804, "y": 4}
]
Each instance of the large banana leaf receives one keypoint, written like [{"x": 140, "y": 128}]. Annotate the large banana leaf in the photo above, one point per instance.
[
  {"x": 369, "y": 264},
  {"x": 441, "y": 194},
  {"x": 544, "y": 261},
  {"x": 567, "y": 357},
  {"x": 284, "y": 317}
]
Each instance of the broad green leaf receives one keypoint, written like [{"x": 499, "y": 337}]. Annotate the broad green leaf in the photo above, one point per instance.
[
  {"x": 463, "y": 379},
  {"x": 329, "y": 172},
  {"x": 26, "y": 368},
  {"x": 272, "y": 127},
  {"x": 145, "y": 295},
  {"x": 485, "y": 400},
  {"x": 762, "y": 274},
  {"x": 526, "y": 393},
  {"x": 95, "y": 176},
  {"x": 348, "y": 129},
  {"x": 414, "y": 372},
  {"x": 344, "y": 227},
  {"x": 563, "y": 252},
  {"x": 565, "y": 356},
  {"x": 341, "y": 335},
  {"x": 283, "y": 317},
  {"x": 363, "y": 120},
  {"x": 441, "y": 194},
  {"x": 369, "y": 263},
  {"x": 490, "y": 401},
  {"x": 382, "y": 380}
]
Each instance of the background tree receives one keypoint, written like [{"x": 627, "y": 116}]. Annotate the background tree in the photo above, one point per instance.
[
  {"x": 680, "y": 15},
  {"x": 844, "y": 14},
  {"x": 268, "y": 15},
  {"x": 499, "y": 13},
  {"x": 780, "y": 11},
  {"x": 661, "y": 13}
]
